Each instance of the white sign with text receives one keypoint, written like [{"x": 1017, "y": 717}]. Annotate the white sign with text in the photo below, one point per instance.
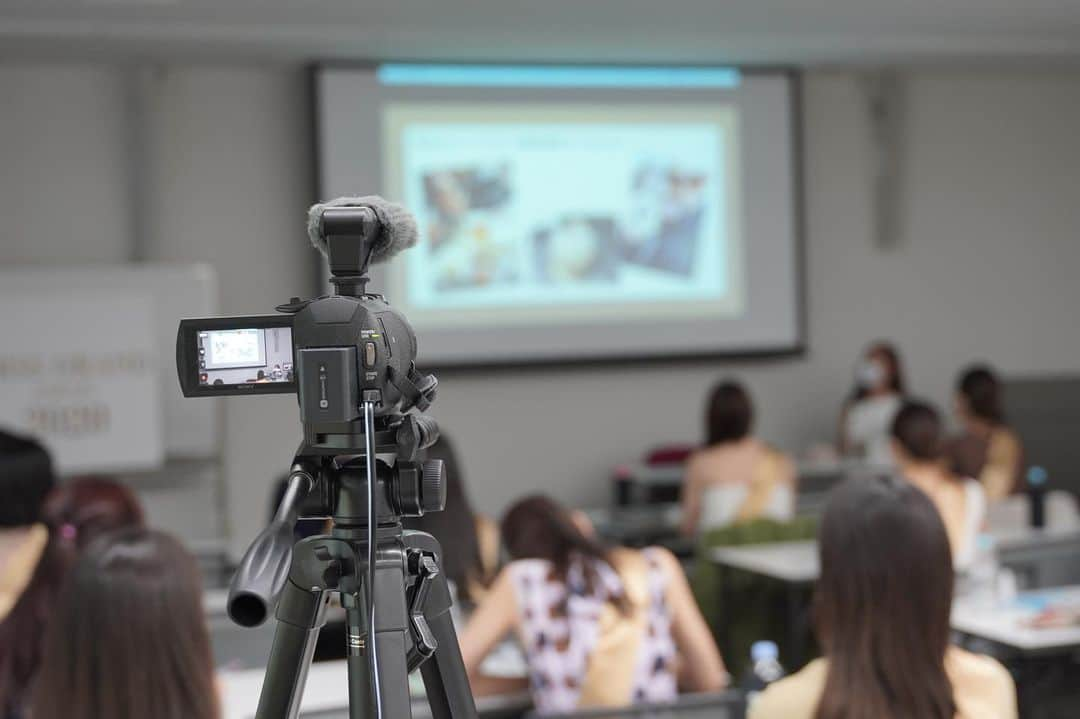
[{"x": 80, "y": 371}]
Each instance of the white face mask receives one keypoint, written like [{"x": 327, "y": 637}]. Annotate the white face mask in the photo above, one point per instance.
[{"x": 869, "y": 374}]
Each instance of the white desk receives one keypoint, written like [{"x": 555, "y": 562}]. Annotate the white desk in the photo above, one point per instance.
[
  {"x": 797, "y": 562},
  {"x": 792, "y": 562},
  {"x": 327, "y": 690},
  {"x": 1004, "y": 624}
]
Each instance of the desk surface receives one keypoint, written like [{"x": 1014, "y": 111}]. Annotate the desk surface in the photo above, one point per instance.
[
  {"x": 1004, "y": 624},
  {"x": 327, "y": 690},
  {"x": 795, "y": 562}
]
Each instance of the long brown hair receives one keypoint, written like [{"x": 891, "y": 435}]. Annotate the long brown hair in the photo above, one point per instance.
[
  {"x": 538, "y": 527},
  {"x": 75, "y": 513},
  {"x": 981, "y": 390},
  {"x": 730, "y": 414},
  {"x": 129, "y": 638},
  {"x": 882, "y": 603}
]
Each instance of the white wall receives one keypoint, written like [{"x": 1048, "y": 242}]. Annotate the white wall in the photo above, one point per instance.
[
  {"x": 180, "y": 164},
  {"x": 985, "y": 269},
  {"x": 231, "y": 175},
  {"x": 63, "y": 160}
]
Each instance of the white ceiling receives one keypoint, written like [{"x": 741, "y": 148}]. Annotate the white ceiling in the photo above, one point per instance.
[{"x": 751, "y": 31}]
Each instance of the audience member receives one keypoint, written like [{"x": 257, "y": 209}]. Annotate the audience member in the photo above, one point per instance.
[
  {"x": 600, "y": 627},
  {"x": 874, "y": 401},
  {"x": 470, "y": 541},
  {"x": 735, "y": 477},
  {"x": 882, "y": 610},
  {"x": 919, "y": 449},
  {"x": 75, "y": 513},
  {"x": 986, "y": 448},
  {"x": 129, "y": 639},
  {"x": 26, "y": 478}
]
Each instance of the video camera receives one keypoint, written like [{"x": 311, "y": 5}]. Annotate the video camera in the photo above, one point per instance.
[{"x": 334, "y": 352}]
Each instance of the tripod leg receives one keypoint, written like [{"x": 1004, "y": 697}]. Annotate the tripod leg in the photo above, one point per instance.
[
  {"x": 390, "y": 637},
  {"x": 300, "y": 615},
  {"x": 445, "y": 679}
]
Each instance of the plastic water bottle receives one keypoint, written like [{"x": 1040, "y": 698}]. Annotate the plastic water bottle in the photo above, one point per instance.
[
  {"x": 765, "y": 668},
  {"x": 983, "y": 573},
  {"x": 1036, "y": 481}
]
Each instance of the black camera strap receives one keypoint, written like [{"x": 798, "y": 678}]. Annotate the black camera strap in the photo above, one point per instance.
[{"x": 417, "y": 389}]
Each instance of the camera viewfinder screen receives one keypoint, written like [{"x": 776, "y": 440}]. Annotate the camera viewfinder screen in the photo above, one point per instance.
[{"x": 245, "y": 356}]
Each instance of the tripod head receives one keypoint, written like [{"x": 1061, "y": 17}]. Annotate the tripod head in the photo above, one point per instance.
[{"x": 335, "y": 486}]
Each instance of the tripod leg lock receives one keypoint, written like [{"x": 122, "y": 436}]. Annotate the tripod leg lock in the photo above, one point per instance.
[{"x": 425, "y": 568}]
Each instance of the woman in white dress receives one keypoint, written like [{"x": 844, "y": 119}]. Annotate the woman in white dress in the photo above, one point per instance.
[
  {"x": 868, "y": 414},
  {"x": 736, "y": 477}
]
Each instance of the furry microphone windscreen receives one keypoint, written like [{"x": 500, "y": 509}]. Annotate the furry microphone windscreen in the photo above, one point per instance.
[{"x": 397, "y": 229}]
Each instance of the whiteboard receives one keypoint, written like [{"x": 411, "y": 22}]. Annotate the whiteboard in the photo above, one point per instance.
[{"x": 190, "y": 427}]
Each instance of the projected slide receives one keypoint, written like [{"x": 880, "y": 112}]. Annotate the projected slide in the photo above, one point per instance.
[{"x": 570, "y": 213}]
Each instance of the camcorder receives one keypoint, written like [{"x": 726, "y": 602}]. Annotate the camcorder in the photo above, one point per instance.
[{"x": 334, "y": 352}]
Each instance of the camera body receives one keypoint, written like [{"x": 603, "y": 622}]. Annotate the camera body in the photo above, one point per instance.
[
  {"x": 331, "y": 351},
  {"x": 348, "y": 349}
]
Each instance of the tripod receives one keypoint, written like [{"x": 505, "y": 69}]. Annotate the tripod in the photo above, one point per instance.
[{"x": 411, "y": 628}]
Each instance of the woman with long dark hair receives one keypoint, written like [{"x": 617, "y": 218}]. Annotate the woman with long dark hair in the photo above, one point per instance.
[
  {"x": 919, "y": 451},
  {"x": 986, "y": 448},
  {"x": 874, "y": 400},
  {"x": 470, "y": 541},
  {"x": 129, "y": 637},
  {"x": 600, "y": 627},
  {"x": 26, "y": 478},
  {"x": 735, "y": 477},
  {"x": 74, "y": 513},
  {"x": 882, "y": 610}
]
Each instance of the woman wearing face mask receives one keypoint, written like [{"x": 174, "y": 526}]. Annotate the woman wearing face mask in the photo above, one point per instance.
[{"x": 876, "y": 398}]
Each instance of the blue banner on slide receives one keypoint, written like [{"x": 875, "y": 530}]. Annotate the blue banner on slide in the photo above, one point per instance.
[{"x": 557, "y": 76}]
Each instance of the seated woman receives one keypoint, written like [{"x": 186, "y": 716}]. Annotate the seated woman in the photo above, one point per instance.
[
  {"x": 882, "y": 614},
  {"x": 875, "y": 400},
  {"x": 75, "y": 513},
  {"x": 470, "y": 541},
  {"x": 600, "y": 627},
  {"x": 986, "y": 449},
  {"x": 26, "y": 477},
  {"x": 736, "y": 477},
  {"x": 129, "y": 638},
  {"x": 920, "y": 458}
]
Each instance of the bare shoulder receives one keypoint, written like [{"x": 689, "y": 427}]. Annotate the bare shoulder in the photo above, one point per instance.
[
  {"x": 981, "y": 685},
  {"x": 795, "y": 697},
  {"x": 978, "y": 671}
]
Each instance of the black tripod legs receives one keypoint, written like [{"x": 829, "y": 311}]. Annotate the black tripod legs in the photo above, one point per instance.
[
  {"x": 413, "y": 626},
  {"x": 445, "y": 680},
  {"x": 300, "y": 615}
]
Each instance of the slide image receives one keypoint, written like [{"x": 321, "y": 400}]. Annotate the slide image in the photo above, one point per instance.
[{"x": 577, "y": 214}]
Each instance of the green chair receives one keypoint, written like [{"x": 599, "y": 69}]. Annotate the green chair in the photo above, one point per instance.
[{"x": 756, "y": 604}]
